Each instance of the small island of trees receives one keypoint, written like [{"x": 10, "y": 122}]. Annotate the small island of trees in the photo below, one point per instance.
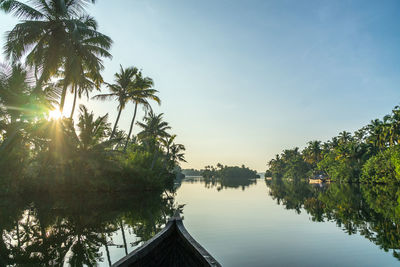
[{"x": 236, "y": 172}]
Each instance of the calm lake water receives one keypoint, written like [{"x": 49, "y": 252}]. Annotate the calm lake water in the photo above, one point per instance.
[{"x": 241, "y": 223}]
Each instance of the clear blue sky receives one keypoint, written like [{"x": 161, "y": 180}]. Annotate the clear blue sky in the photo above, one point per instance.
[{"x": 242, "y": 80}]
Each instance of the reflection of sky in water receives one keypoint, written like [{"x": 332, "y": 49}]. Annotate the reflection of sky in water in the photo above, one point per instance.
[
  {"x": 239, "y": 227},
  {"x": 116, "y": 250},
  {"x": 248, "y": 228}
]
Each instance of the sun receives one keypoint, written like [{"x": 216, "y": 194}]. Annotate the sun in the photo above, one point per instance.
[{"x": 55, "y": 114}]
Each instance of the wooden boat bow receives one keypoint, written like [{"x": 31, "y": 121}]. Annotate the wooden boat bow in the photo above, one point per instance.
[{"x": 172, "y": 246}]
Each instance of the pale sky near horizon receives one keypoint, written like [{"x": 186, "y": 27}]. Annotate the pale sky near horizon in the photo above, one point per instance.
[{"x": 242, "y": 80}]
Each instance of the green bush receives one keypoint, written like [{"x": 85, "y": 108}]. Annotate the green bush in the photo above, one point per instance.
[
  {"x": 383, "y": 167},
  {"x": 339, "y": 168}
]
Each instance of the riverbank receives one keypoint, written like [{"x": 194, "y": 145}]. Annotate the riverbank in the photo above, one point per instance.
[{"x": 370, "y": 155}]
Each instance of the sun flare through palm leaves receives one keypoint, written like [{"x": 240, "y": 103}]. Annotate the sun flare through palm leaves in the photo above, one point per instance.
[{"x": 55, "y": 114}]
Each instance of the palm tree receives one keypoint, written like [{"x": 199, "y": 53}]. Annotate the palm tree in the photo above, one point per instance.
[
  {"x": 154, "y": 129},
  {"x": 177, "y": 154},
  {"x": 167, "y": 142},
  {"x": 82, "y": 84},
  {"x": 345, "y": 137},
  {"x": 83, "y": 63},
  {"x": 139, "y": 95},
  {"x": 312, "y": 153},
  {"x": 375, "y": 131},
  {"x": 53, "y": 34},
  {"x": 18, "y": 103},
  {"x": 120, "y": 91},
  {"x": 92, "y": 132},
  {"x": 14, "y": 90}
]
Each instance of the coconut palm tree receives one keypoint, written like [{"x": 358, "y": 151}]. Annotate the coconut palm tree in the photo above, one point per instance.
[
  {"x": 345, "y": 137},
  {"x": 120, "y": 91},
  {"x": 167, "y": 142},
  {"x": 19, "y": 104},
  {"x": 52, "y": 35},
  {"x": 14, "y": 90},
  {"x": 83, "y": 63},
  {"x": 82, "y": 84},
  {"x": 154, "y": 129},
  {"x": 140, "y": 95},
  {"x": 313, "y": 153},
  {"x": 375, "y": 131},
  {"x": 177, "y": 154}
]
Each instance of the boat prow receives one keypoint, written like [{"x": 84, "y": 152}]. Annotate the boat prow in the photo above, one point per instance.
[{"x": 173, "y": 246}]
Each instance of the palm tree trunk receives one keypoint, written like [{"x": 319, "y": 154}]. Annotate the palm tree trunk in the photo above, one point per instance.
[
  {"x": 116, "y": 123},
  {"x": 107, "y": 251},
  {"x": 130, "y": 129},
  {"x": 123, "y": 238},
  {"x": 153, "y": 162},
  {"x": 18, "y": 239},
  {"x": 63, "y": 95},
  {"x": 73, "y": 105},
  {"x": 166, "y": 160}
]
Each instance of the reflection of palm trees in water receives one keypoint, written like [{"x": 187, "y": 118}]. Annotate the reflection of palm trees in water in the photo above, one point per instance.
[
  {"x": 45, "y": 234},
  {"x": 371, "y": 211},
  {"x": 123, "y": 237},
  {"x": 229, "y": 182}
]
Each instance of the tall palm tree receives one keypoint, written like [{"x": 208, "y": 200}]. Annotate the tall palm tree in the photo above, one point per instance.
[
  {"x": 83, "y": 61},
  {"x": 120, "y": 91},
  {"x": 82, "y": 84},
  {"x": 52, "y": 34},
  {"x": 139, "y": 96}
]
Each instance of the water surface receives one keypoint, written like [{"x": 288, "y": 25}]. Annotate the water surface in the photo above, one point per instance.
[
  {"x": 240, "y": 222},
  {"x": 247, "y": 227}
]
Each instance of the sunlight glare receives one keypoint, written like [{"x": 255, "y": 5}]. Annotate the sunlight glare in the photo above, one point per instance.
[{"x": 55, "y": 114}]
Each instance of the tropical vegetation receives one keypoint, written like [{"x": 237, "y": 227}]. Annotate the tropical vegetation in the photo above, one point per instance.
[
  {"x": 369, "y": 155},
  {"x": 54, "y": 50}
]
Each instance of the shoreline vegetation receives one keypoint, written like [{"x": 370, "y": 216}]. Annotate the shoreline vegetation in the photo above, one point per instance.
[
  {"x": 371, "y": 155},
  {"x": 56, "y": 48}
]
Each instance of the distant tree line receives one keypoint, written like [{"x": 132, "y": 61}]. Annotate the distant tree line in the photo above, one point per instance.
[
  {"x": 369, "y": 155},
  {"x": 221, "y": 171},
  {"x": 191, "y": 172}
]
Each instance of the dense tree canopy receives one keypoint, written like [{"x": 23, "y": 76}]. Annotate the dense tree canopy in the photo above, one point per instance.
[{"x": 369, "y": 155}]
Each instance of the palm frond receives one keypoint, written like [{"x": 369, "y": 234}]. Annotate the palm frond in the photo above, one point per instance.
[{"x": 20, "y": 10}]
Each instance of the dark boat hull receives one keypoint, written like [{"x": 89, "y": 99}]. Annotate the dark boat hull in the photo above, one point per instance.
[{"x": 173, "y": 246}]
